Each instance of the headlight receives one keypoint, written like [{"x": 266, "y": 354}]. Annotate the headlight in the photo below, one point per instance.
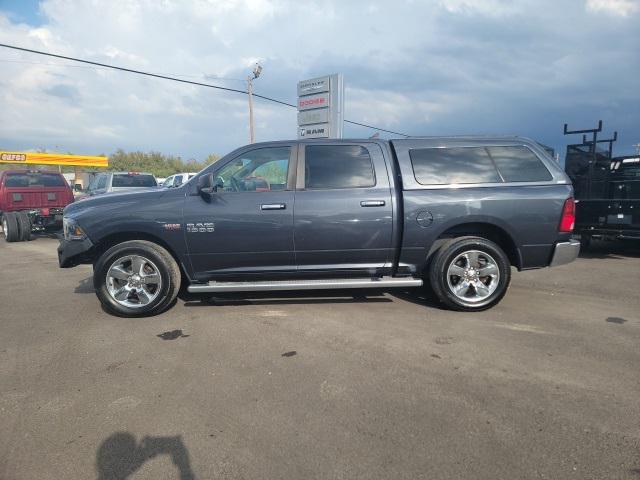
[{"x": 71, "y": 230}]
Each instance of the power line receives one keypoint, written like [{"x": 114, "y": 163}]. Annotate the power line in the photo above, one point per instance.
[
  {"x": 376, "y": 128},
  {"x": 207, "y": 76},
  {"x": 181, "y": 80}
]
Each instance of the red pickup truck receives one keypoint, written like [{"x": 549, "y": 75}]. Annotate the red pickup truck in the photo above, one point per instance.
[{"x": 31, "y": 200}]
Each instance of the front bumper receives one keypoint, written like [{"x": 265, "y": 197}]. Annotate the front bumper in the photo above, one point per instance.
[
  {"x": 73, "y": 252},
  {"x": 565, "y": 252}
]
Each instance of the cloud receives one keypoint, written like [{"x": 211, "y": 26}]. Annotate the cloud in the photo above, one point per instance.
[
  {"x": 622, "y": 8},
  {"x": 483, "y": 7},
  {"x": 424, "y": 68}
]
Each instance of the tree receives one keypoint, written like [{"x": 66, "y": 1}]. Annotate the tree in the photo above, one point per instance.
[{"x": 155, "y": 162}]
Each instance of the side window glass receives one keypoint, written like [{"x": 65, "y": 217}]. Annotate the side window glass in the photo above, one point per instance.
[
  {"x": 260, "y": 170},
  {"x": 338, "y": 166},
  {"x": 519, "y": 164},
  {"x": 177, "y": 181},
  {"x": 445, "y": 166},
  {"x": 102, "y": 182}
]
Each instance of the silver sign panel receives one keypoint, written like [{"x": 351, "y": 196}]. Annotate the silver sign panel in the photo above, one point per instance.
[
  {"x": 318, "y": 115},
  {"x": 320, "y": 130}
]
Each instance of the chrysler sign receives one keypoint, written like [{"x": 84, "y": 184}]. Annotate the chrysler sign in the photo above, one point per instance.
[
  {"x": 316, "y": 85},
  {"x": 320, "y": 107}
]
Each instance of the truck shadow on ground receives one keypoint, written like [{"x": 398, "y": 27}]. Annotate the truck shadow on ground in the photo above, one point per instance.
[
  {"x": 120, "y": 455},
  {"x": 418, "y": 296},
  {"x": 85, "y": 286},
  {"x": 305, "y": 297}
]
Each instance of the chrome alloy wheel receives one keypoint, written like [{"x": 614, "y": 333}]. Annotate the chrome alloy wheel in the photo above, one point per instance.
[
  {"x": 4, "y": 226},
  {"x": 473, "y": 276},
  {"x": 133, "y": 281}
]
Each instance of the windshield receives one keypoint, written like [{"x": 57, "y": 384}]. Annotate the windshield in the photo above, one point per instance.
[
  {"x": 133, "y": 180},
  {"x": 34, "y": 179}
]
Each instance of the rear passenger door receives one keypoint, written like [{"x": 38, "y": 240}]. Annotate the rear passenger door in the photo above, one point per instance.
[{"x": 343, "y": 211}]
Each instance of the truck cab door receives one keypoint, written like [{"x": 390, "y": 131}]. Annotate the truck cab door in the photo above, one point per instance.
[
  {"x": 245, "y": 228},
  {"x": 343, "y": 217}
]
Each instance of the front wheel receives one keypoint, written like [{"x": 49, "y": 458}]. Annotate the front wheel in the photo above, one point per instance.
[
  {"x": 470, "y": 274},
  {"x": 136, "y": 279}
]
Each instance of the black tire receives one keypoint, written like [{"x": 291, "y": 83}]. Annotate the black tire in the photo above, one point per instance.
[
  {"x": 24, "y": 226},
  {"x": 490, "y": 255},
  {"x": 10, "y": 227},
  {"x": 158, "y": 258}
]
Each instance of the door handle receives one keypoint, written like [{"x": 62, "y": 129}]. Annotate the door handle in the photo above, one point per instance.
[
  {"x": 372, "y": 203},
  {"x": 273, "y": 206}
]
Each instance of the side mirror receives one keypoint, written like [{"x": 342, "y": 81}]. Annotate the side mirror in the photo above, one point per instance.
[
  {"x": 77, "y": 187},
  {"x": 206, "y": 185}
]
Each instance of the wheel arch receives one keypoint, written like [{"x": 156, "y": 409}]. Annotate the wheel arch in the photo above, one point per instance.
[
  {"x": 485, "y": 229},
  {"x": 112, "y": 239}
]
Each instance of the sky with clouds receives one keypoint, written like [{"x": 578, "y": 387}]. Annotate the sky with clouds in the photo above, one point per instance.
[{"x": 430, "y": 67}]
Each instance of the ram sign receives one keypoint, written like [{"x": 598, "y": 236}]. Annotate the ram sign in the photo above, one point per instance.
[{"x": 321, "y": 107}]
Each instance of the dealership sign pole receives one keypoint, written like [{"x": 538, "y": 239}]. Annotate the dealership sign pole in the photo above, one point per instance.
[{"x": 321, "y": 107}]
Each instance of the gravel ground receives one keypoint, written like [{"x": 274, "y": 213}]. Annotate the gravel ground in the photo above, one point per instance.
[{"x": 344, "y": 385}]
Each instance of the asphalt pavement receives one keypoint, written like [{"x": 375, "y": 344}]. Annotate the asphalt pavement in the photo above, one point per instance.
[{"x": 339, "y": 385}]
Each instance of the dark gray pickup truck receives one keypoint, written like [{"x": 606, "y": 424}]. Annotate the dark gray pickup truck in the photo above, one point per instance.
[{"x": 452, "y": 213}]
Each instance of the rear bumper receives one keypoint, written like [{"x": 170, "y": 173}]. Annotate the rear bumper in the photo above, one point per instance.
[
  {"x": 565, "y": 252},
  {"x": 73, "y": 252},
  {"x": 612, "y": 233}
]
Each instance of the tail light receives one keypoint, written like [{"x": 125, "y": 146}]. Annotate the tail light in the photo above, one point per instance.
[
  {"x": 568, "y": 220},
  {"x": 44, "y": 212}
]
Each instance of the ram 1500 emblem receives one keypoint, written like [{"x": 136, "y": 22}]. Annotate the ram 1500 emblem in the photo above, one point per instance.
[{"x": 200, "y": 227}]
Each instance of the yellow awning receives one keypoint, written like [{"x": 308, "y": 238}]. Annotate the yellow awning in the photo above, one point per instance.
[{"x": 53, "y": 159}]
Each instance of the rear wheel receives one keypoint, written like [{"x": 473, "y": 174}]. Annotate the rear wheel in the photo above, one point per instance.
[
  {"x": 10, "y": 227},
  {"x": 470, "y": 274},
  {"x": 24, "y": 226},
  {"x": 136, "y": 279}
]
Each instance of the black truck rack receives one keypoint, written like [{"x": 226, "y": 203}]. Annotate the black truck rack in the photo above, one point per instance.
[{"x": 607, "y": 188}]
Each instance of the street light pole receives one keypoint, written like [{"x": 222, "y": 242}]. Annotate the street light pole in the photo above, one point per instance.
[{"x": 255, "y": 74}]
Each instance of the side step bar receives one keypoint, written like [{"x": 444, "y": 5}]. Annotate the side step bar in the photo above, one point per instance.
[{"x": 383, "y": 282}]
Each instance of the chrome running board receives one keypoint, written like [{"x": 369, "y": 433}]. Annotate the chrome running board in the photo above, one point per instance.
[{"x": 338, "y": 283}]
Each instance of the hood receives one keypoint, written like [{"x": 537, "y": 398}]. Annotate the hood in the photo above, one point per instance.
[{"x": 107, "y": 201}]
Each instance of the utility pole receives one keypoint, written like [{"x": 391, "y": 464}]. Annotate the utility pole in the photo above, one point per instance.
[{"x": 257, "y": 70}]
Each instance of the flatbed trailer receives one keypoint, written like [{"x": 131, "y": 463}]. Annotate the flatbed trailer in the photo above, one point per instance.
[{"x": 607, "y": 197}]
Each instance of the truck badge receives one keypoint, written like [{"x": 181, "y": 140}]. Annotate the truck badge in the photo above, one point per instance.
[{"x": 200, "y": 227}]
